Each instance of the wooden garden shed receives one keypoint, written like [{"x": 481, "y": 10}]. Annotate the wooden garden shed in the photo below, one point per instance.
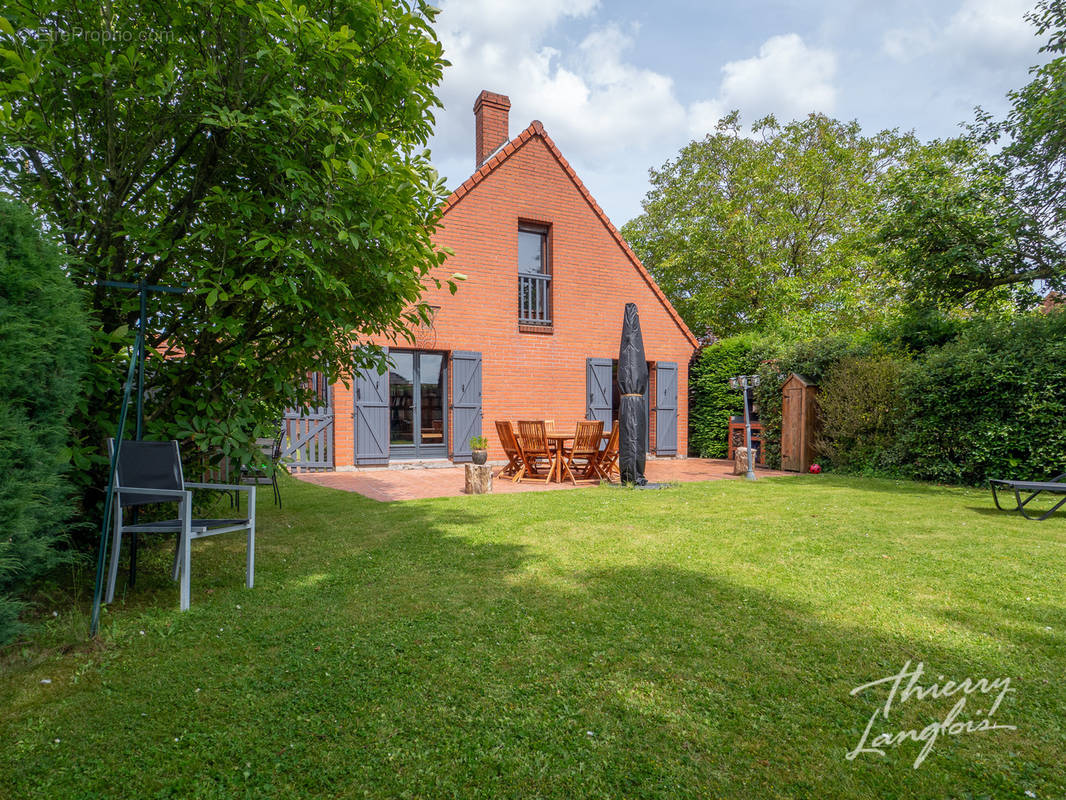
[{"x": 799, "y": 423}]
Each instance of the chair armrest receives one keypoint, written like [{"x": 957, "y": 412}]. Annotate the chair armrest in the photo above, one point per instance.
[
  {"x": 177, "y": 494},
  {"x": 222, "y": 487}
]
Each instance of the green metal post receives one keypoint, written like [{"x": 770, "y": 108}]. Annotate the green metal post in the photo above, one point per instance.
[{"x": 94, "y": 624}]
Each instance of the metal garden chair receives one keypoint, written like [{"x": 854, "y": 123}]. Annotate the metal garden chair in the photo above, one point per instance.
[
  {"x": 266, "y": 470},
  {"x": 151, "y": 472}
]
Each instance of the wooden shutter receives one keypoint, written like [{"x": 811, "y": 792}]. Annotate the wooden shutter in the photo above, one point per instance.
[
  {"x": 665, "y": 408},
  {"x": 466, "y": 402},
  {"x": 371, "y": 417},
  {"x": 598, "y": 382}
]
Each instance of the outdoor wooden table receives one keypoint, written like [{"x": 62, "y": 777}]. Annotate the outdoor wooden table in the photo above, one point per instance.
[{"x": 558, "y": 440}]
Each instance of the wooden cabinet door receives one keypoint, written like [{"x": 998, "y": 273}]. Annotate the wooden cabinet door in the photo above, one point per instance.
[{"x": 791, "y": 435}]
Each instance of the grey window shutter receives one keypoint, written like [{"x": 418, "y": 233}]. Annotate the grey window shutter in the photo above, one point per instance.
[
  {"x": 665, "y": 408},
  {"x": 598, "y": 383},
  {"x": 371, "y": 417},
  {"x": 466, "y": 402}
]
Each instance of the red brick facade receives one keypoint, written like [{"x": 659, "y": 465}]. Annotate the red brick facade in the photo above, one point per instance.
[{"x": 535, "y": 372}]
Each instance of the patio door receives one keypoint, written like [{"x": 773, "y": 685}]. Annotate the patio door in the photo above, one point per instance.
[{"x": 417, "y": 403}]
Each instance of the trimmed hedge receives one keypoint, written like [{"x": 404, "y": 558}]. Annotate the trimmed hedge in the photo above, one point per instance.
[
  {"x": 713, "y": 402},
  {"x": 43, "y": 353},
  {"x": 862, "y": 407}
]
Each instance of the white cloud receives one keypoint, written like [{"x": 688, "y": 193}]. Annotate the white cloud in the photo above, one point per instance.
[
  {"x": 787, "y": 78},
  {"x": 980, "y": 34},
  {"x": 993, "y": 27},
  {"x": 905, "y": 44},
  {"x": 611, "y": 116}
]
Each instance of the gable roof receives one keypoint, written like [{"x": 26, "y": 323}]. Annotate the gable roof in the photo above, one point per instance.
[{"x": 536, "y": 129}]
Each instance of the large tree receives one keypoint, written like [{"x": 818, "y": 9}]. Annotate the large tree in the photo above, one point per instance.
[
  {"x": 269, "y": 156},
  {"x": 768, "y": 230},
  {"x": 953, "y": 231}
]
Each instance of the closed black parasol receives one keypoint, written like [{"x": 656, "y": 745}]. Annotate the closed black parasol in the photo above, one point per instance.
[{"x": 632, "y": 384}]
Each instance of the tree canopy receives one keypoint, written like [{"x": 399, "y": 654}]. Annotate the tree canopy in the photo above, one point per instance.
[
  {"x": 269, "y": 156},
  {"x": 953, "y": 231},
  {"x": 768, "y": 230},
  {"x": 980, "y": 221},
  {"x": 813, "y": 226}
]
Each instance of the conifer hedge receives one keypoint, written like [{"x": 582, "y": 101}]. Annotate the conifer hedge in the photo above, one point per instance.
[{"x": 43, "y": 354}]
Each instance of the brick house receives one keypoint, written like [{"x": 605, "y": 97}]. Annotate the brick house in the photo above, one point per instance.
[{"x": 534, "y": 329}]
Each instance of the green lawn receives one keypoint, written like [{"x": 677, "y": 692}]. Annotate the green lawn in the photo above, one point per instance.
[{"x": 700, "y": 641}]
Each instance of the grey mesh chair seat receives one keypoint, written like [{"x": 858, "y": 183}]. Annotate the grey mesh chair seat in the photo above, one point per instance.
[{"x": 150, "y": 473}]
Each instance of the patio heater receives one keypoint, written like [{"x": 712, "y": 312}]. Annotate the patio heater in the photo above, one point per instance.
[{"x": 746, "y": 383}]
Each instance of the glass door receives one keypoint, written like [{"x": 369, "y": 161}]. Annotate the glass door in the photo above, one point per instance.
[{"x": 417, "y": 403}]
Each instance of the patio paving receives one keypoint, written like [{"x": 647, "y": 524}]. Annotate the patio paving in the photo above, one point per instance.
[{"x": 410, "y": 484}]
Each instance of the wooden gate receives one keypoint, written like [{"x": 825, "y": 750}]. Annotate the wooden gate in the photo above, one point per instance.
[{"x": 307, "y": 439}]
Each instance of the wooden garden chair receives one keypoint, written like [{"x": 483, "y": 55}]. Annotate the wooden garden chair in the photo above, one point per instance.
[
  {"x": 533, "y": 442},
  {"x": 586, "y": 449},
  {"x": 516, "y": 462},
  {"x": 607, "y": 464}
]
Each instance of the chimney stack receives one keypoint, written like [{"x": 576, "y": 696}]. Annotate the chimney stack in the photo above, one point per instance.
[{"x": 490, "y": 115}]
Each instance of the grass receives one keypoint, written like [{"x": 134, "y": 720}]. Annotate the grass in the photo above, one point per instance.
[{"x": 700, "y": 641}]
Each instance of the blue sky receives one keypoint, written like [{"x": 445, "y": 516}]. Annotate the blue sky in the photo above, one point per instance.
[{"x": 622, "y": 86}]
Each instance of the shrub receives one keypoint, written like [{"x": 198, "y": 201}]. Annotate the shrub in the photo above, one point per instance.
[
  {"x": 930, "y": 397},
  {"x": 43, "y": 349},
  {"x": 861, "y": 407},
  {"x": 808, "y": 358},
  {"x": 989, "y": 403},
  {"x": 712, "y": 401}
]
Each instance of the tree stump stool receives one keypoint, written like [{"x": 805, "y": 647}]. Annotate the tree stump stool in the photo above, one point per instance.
[
  {"x": 740, "y": 461},
  {"x": 478, "y": 479}
]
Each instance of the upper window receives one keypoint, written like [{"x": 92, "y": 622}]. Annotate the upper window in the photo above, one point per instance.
[
  {"x": 532, "y": 250},
  {"x": 534, "y": 276}
]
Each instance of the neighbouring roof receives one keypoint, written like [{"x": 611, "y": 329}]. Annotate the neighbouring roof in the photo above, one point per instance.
[{"x": 536, "y": 129}]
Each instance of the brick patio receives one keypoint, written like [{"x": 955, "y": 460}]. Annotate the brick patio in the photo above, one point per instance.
[{"x": 411, "y": 484}]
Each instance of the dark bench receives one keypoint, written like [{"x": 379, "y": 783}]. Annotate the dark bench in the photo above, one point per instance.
[{"x": 1033, "y": 488}]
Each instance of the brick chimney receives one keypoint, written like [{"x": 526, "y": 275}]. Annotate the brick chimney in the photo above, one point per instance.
[{"x": 490, "y": 128}]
